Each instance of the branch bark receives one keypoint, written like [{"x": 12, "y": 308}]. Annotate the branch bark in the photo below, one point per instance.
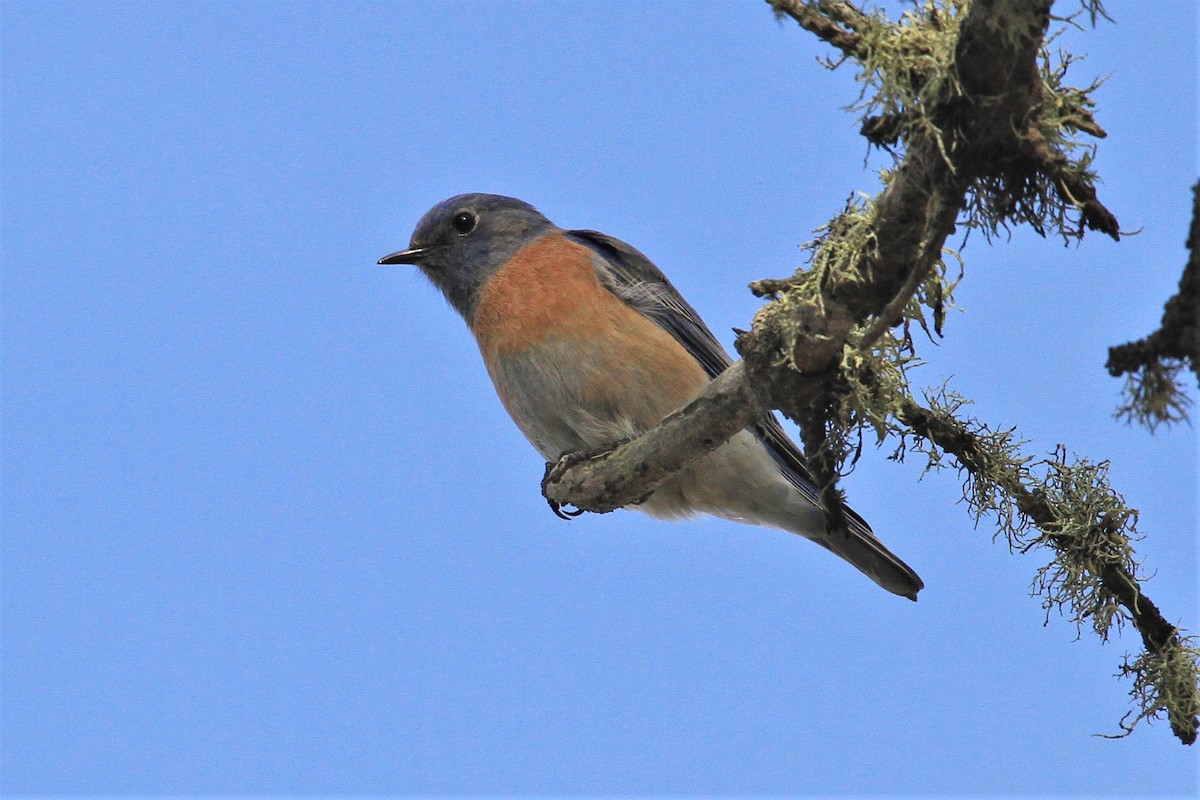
[
  {"x": 824, "y": 24},
  {"x": 1179, "y": 335},
  {"x": 607, "y": 480},
  {"x": 1159, "y": 637},
  {"x": 978, "y": 145},
  {"x": 996, "y": 61}
]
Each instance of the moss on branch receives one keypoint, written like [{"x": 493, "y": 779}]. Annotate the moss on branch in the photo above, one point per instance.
[{"x": 974, "y": 107}]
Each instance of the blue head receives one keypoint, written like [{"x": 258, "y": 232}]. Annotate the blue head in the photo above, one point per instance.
[{"x": 460, "y": 242}]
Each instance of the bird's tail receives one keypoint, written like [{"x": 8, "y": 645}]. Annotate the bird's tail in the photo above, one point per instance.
[{"x": 858, "y": 545}]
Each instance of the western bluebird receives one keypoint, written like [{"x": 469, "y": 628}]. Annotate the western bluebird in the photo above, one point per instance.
[{"x": 587, "y": 343}]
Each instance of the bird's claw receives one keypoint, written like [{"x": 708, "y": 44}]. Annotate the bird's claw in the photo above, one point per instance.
[
  {"x": 555, "y": 470},
  {"x": 563, "y": 513}
]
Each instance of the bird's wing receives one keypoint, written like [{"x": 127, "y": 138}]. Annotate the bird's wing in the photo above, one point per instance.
[
  {"x": 628, "y": 274},
  {"x": 631, "y": 276},
  {"x": 634, "y": 279}
]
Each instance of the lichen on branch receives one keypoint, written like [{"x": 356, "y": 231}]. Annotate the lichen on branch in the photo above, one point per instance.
[
  {"x": 1068, "y": 508},
  {"x": 975, "y": 108},
  {"x": 967, "y": 97},
  {"x": 1154, "y": 394}
]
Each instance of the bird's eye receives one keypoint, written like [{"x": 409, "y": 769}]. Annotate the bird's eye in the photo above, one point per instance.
[{"x": 464, "y": 222}]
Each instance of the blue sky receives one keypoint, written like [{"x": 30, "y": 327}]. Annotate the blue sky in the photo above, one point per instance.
[{"x": 267, "y": 530}]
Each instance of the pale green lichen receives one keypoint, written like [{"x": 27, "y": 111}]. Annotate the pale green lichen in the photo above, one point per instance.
[
  {"x": 906, "y": 65},
  {"x": 1090, "y": 532},
  {"x": 1094, "y": 533},
  {"x": 1092, "y": 528},
  {"x": 1164, "y": 683},
  {"x": 834, "y": 256},
  {"x": 875, "y": 384},
  {"x": 1154, "y": 395},
  {"x": 842, "y": 246},
  {"x": 1024, "y": 191},
  {"x": 906, "y": 75}
]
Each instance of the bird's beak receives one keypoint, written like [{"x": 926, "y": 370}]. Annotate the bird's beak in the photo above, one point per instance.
[{"x": 412, "y": 255}]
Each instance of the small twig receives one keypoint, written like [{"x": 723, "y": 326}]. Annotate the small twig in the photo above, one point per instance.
[
  {"x": 955, "y": 438},
  {"x": 823, "y": 461},
  {"x": 1179, "y": 335},
  {"x": 603, "y": 482},
  {"x": 817, "y": 23},
  {"x": 893, "y": 313},
  {"x": 844, "y": 13},
  {"x": 1069, "y": 184}
]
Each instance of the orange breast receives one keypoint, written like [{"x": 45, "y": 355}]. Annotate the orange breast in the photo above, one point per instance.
[
  {"x": 548, "y": 289},
  {"x": 546, "y": 317}
]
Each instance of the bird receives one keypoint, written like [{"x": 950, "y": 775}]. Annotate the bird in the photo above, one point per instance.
[{"x": 587, "y": 343}]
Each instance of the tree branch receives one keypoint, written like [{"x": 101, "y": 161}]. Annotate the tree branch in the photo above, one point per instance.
[
  {"x": 995, "y": 57},
  {"x": 1110, "y": 566},
  {"x": 814, "y": 21},
  {"x": 1178, "y": 338},
  {"x": 970, "y": 135},
  {"x": 1070, "y": 185},
  {"x": 611, "y": 478},
  {"x": 982, "y": 127}
]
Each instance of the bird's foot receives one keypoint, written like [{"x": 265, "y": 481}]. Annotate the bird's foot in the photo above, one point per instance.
[{"x": 555, "y": 471}]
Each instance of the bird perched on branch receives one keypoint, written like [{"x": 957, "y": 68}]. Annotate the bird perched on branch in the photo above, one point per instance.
[{"x": 588, "y": 343}]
